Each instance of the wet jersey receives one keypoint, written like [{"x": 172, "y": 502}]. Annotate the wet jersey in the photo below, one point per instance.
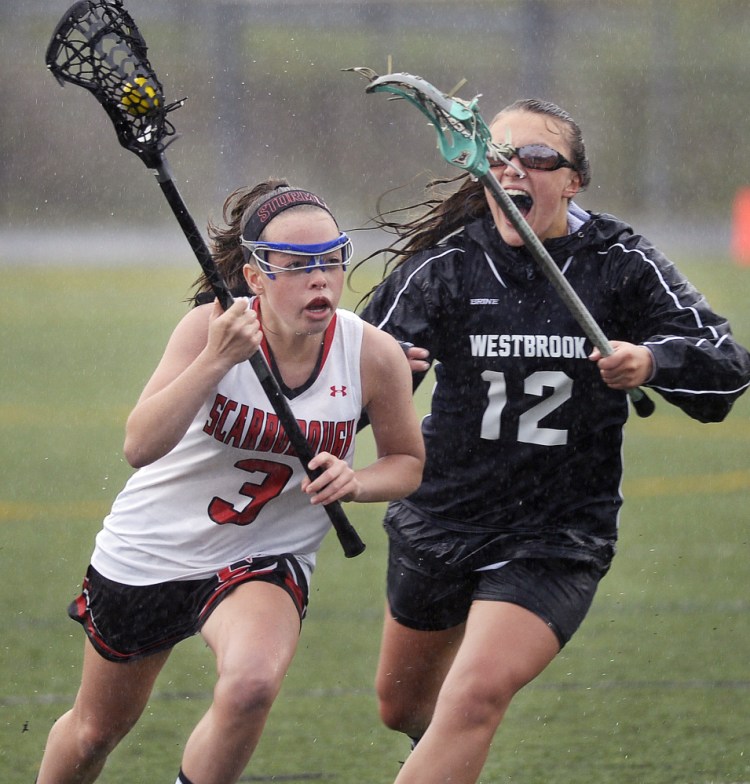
[
  {"x": 523, "y": 438},
  {"x": 231, "y": 487}
]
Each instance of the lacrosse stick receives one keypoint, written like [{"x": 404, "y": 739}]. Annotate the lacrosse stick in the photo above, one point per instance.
[
  {"x": 97, "y": 45},
  {"x": 464, "y": 140}
]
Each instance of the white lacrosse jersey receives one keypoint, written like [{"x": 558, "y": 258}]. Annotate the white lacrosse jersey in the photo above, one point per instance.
[{"x": 231, "y": 488}]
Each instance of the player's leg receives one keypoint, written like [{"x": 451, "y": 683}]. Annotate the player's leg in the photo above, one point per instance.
[
  {"x": 253, "y": 632},
  {"x": 110, "y": 700},
  {"x": 423, "y": 627},
  {"x": 411, "y": 669},
  {"x": 504, "y": 647},
  {"x": 522, "y": 614}
]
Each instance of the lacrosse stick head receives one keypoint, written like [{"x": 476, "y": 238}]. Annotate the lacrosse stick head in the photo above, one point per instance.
[
  {"x": 97, "y": 45},
  {"x": 464, "y": 140}
]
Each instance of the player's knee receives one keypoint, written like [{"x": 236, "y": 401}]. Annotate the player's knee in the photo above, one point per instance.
[
  {"x": 479, "y": 702},
  {"x": 96, "y": 740},
  {"x": 389, "y": 706},
  {"x": 242, "y": 694},
  {"x": 393, "y": 717},
  {"x": 400, "y": 715}
]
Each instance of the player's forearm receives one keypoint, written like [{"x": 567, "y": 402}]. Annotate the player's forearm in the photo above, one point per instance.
[{"x": 389, "y": 478}]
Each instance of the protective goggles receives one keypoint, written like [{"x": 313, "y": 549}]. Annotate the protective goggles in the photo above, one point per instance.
[
  {"x": 532, "y": 156},
  {"x": 288, "y": 257}
]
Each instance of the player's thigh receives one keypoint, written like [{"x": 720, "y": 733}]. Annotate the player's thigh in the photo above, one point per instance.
[
  {"x": 558, "y": 591},
  {"x": 114, "y": 694},
  {"x": 255, "y": 629},
  {"x": 505, "y": 646},
  {"x": 413, "y": 662}
]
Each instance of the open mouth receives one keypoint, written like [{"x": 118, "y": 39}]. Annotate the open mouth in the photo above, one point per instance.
[
  {"x": 318, "y": 306},
  {"x": 522, "y": 201}
]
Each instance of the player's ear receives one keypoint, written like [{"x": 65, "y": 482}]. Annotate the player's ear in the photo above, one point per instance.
[
  {"x": 574, "y": 184},
  {"x": 253, "y": 278}
]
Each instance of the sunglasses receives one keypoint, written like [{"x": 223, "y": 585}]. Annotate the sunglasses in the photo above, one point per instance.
[
  {"x": 532, "y": 156},
  {"x": 300, "y": 258}
]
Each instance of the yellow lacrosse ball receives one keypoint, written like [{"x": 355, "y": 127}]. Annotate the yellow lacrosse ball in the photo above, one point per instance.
[{"x": 139, "y": 98}]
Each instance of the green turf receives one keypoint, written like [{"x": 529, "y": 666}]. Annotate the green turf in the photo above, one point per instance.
[{"x": 654, "y": 688}]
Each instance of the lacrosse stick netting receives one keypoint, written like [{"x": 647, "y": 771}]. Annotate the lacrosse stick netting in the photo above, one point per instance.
[{"x": 97, "y": 46}]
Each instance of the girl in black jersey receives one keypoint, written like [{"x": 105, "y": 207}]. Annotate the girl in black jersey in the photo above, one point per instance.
[{"x": 495, "y": 559}]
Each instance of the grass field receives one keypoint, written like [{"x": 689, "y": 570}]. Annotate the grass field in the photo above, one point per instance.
[{"x": 654, "y": 688}]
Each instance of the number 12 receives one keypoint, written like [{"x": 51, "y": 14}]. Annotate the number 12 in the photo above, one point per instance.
[{"x": 529, "y": 430}]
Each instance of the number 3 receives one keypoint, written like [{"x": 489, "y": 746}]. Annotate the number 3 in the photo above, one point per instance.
[
  {"x": 275, "y": 477},
  {"x": 529, "y": 431}
]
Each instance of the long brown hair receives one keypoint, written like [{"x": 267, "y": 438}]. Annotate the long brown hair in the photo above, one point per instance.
[{"x": 449, "y": 205}]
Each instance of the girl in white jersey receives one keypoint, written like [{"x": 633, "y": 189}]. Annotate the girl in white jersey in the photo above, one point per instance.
[{"x": 218, "y": 530}]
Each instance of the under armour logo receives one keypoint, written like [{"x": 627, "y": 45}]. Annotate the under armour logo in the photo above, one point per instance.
[{"x": 338, "y": 391}]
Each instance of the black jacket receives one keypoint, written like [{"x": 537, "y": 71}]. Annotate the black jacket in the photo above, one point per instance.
[{"x": 523, "y": 439}]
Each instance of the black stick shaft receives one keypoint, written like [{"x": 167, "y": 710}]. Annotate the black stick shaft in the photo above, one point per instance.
[{"x": 350, "y": 540}]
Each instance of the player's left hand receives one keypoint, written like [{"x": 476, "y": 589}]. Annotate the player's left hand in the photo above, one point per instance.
[
  {"x": 338, "y": 481},
  {"x": 627, "y": 367}
]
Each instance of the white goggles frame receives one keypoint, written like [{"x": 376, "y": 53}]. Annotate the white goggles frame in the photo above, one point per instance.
[{"x": 308, "y": 256}]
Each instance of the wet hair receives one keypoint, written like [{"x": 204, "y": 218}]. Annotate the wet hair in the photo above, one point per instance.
[
  {"x": 451, "y": 203},
  {"x": 571, "y": 131},
  {"x": 240, "y": 208}
]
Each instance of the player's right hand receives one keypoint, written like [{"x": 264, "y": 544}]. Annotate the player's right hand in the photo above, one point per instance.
[
  {"x": 419, "y": 358},
  {"x": 235, "y": 334}
]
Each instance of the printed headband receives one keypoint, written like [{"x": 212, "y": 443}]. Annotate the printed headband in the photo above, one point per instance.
[{"x": 274, "y": 204}]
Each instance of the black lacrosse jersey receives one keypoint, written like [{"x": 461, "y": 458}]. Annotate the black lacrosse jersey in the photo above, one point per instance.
[{"x": 523, "y": 438}]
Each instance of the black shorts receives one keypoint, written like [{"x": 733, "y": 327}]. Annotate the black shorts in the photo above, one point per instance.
[
  {"x": 128, "y": 622},
  {"x": 429, "y": 598}
]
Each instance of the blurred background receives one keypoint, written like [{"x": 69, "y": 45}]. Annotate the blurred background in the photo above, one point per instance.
[{"x": 661, "y": 90}]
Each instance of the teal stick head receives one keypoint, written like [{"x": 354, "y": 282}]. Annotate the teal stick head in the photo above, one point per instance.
[{"x": 463, "y": 138}]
